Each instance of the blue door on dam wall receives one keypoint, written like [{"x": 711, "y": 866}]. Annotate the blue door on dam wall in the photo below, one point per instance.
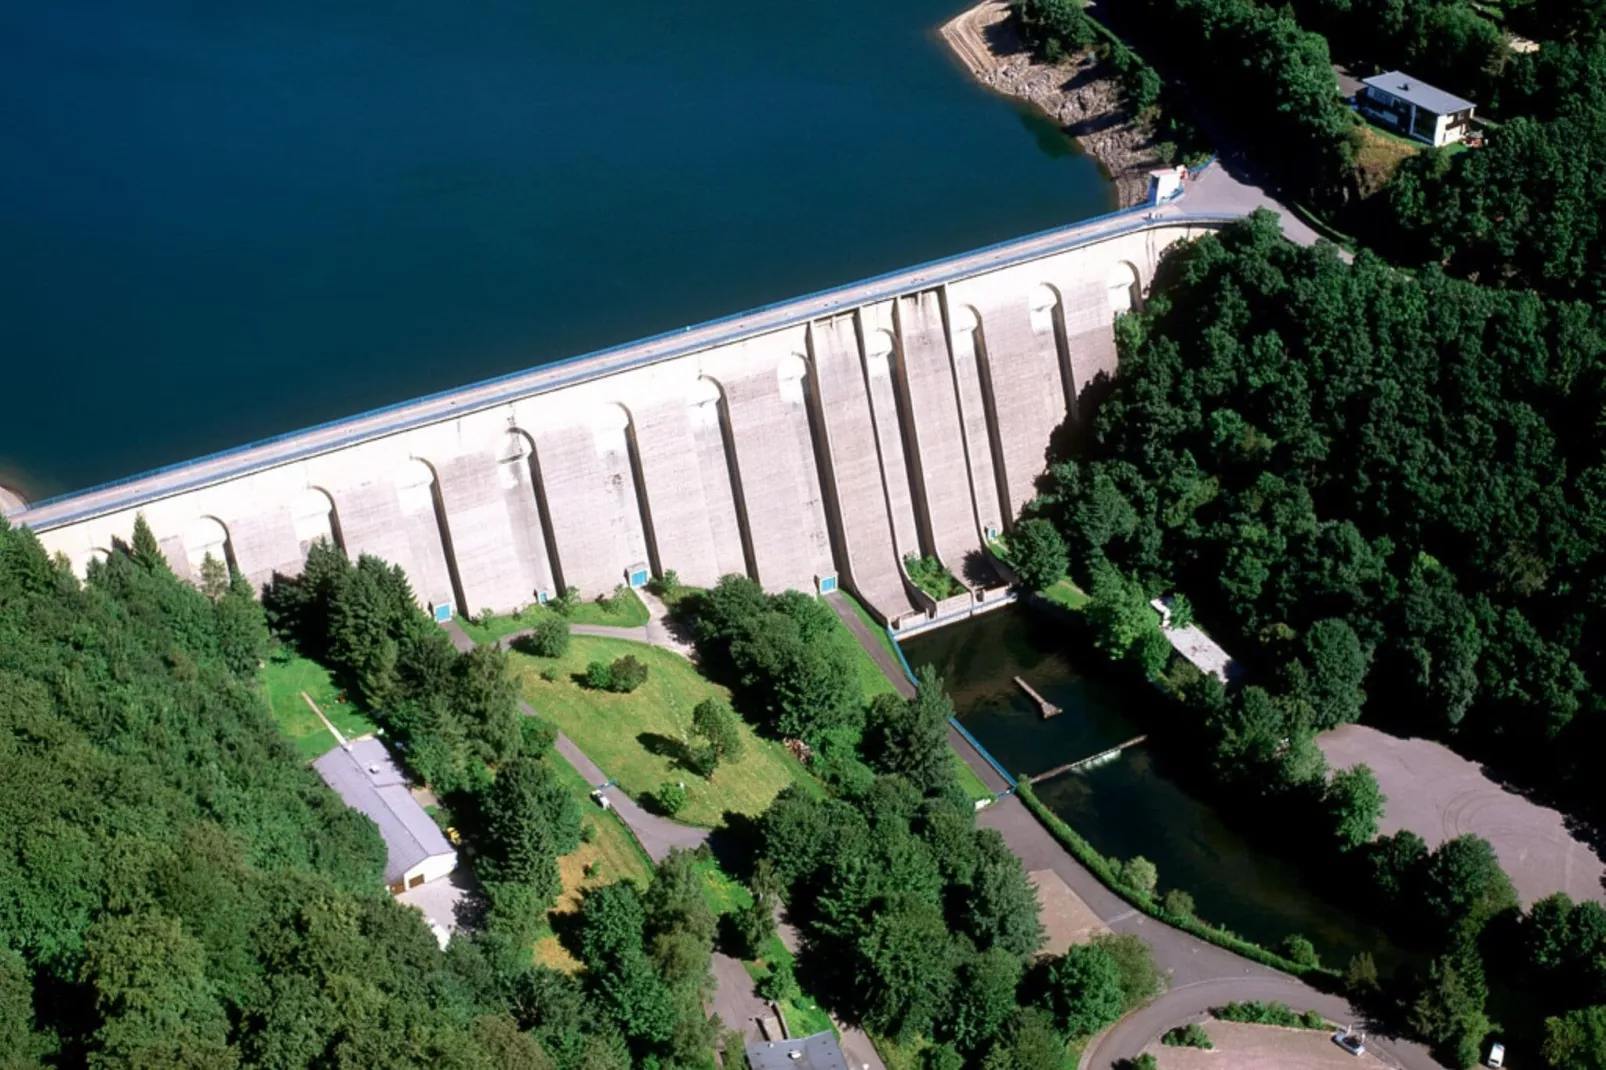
[{"x": 442, "y": 612}]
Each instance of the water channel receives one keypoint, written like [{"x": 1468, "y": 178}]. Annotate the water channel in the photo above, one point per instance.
[
  {"x": 1131, "y": 805},
  {"x": 228, "y": 220}
]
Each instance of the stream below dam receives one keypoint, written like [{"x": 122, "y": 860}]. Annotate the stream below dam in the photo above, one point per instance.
[{"x": 1132, "y": 804}]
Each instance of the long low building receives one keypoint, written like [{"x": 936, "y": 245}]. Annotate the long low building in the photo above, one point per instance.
[
  {"x": 364, "y": 776},
  {"x": 818, "y": 441}
]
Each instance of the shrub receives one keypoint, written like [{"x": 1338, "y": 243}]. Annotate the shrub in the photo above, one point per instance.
[
  {"x": 1139, "y": 873},
  {"x": 588, "y": 832},
  {"x": 780, "y": 984},
  {"x": 1142, "y": 1062},
  {"x": 626, "y": 674},
  {"x": 536, "y": 737},
  {"x": 1038, "y": 553},
  {"x": 599, "y": 677},
  {"x": 548, "y": 639},
  {"x": 1178, "y": 902},
  {"x": 1192, "y": 1035},
  {"x": 550, "y": 674},
  {"x": 564, "y": 603},
  {"x": 1301, "y": 950},
  {"x": 671, "y": 798},
  {"x": 1260, "y": 1013}
]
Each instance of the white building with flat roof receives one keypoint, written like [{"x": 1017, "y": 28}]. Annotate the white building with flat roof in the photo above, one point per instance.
[
  {"x": 1414, "y": 108},
  {"x": 364, "y": 776}
]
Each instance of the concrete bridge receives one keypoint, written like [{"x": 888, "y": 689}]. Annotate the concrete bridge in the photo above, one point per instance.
[{"x": 809, "y": 443}]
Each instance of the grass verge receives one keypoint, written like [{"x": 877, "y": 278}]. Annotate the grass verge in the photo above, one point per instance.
[
  {"x": 612, "y": 855},
  {"x": 639, "y": 738},
  {"x": 623, "y": 609},
  {"x": 1105, "y": 871},
  {"x": 724, "y": 894},
  {"x": 284, "y": 678},
  {"x": 1065, "y": 593}
]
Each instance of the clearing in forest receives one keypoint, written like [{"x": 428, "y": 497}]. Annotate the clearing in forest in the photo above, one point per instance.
[
  {"x": 1439, "y": 795},
  {"x": 642, "y": 738}
]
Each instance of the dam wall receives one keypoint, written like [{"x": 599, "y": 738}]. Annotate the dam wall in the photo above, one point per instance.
[{"x": 811, "y": 443}]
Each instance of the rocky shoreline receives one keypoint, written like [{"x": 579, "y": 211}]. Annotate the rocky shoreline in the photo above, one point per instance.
[{"x": 1078, "y": 93}]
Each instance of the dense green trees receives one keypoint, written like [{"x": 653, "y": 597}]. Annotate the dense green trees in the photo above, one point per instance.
[
  {"x": 1370, "y": 485},
  {"x": 180, "y": 890},
  {"x": 455, "y": 715},
  {"x": 790, "y": 662},
  {"x": 1037, "y": 553},
  {"x": 918, "y": 923},
  {"x": 910, "y": 737}
]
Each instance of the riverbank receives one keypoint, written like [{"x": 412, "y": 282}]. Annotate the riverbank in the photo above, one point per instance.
[{"x": 1078, "y": 93}]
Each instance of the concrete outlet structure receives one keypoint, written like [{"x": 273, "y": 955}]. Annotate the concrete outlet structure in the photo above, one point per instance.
[{"x": 814, "y": 441}]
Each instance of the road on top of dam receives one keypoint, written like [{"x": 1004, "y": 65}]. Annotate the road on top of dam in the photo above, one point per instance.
[{"x": 406, "y": 415}]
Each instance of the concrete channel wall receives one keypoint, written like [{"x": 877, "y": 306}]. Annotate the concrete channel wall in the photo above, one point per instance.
[{"x": 827, "y": 437}]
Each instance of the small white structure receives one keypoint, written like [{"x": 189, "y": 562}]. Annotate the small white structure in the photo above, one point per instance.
[
  {"x": 363, "y": 775},
  {"x": 1166, "y": 184},
  {"x": 1414, "y": 108}
]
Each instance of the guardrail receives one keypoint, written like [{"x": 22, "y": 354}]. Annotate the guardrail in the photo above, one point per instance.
[{"x": 432, "y": 408}]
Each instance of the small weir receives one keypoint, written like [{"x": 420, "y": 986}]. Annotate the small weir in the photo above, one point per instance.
[
  {"x": 1087, "y": 763},
  {"x": 1047, "y": 708}
]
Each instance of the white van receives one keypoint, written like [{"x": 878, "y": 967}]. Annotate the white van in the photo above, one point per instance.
[{"x": 1497, "y": 1055}]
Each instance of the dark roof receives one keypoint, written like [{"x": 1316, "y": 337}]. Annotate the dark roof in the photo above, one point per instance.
[
  {"x": 363, "y": 775},
  {"x": 1415, "y": 91},
  {"x": 819, "y": 1052}
]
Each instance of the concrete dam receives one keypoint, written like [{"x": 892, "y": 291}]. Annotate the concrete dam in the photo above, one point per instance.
[{"x": 809, "y": 444}]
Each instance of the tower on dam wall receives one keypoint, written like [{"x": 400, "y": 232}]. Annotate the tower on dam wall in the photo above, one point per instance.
[{"x": 810, "y": 444}]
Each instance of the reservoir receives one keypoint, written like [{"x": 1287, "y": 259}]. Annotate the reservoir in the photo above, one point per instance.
[
  {"x": 227, "y": 221},
  {"x": 1130, "y": 805}
]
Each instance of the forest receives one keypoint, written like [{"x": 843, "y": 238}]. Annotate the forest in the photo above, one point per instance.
[{"x": 1383, "y": 494}]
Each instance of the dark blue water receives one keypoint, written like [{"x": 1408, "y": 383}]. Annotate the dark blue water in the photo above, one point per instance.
[
  {"x": 1132, "y": 805},
  {"x": 226, "y": 219}
]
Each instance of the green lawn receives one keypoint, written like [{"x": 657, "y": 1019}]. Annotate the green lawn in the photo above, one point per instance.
[
  {"x": 625, "y": 610},
  {"x": 635, "y": 738},
  {"x": 612, "y": 855},
  {"x": 1067, "y": 594},
  {"x": 284, "y": 678}
]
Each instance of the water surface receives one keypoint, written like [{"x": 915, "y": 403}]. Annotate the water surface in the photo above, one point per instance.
[
  {"x": 229, "y": 219},
  {"x": 1132, "y": 805}
]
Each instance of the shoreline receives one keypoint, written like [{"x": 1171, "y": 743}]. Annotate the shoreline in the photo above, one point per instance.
[{"x": 1076, "y": 94}]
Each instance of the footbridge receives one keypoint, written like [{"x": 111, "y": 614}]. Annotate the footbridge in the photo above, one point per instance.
[{"x": 812, "y": 443}]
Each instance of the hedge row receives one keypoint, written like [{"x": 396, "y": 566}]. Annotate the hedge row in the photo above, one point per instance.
[{"x": 1108, "y": 872}]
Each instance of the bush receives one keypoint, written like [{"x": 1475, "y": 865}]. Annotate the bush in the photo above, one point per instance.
[
  {"x": 599, "y": 677},
  {"x": 536, "y": 737},
  {"x": 1139, "y": 873},
  {"x": 1178, "y": 902},
  {"x": 626, "y": 674},
  {"x": 549, "y": 638},
  {"x": 671, "y": 798},
  {"x": 1257, "y": 1012},
  {"x": 1142, "y": 1062},
  {"x": 1301, "y": 950},
  {"x": 1038, "y": 553},
  {"x": 1192, "y": 1035},
  {"x": 780, "y": 984},
  {"x": 550, "y": 674}
]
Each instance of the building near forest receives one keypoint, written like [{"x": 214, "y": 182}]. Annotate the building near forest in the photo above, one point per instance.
[
  {"x": 364, "y": 776},
  {"x": 1414, "y": 108},
  {"x": 818, "y": 1052}
]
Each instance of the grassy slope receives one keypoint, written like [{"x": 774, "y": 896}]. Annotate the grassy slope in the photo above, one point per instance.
[
  {"x": 628, "y": 611},
  {"x": 1067, "y": 594},
  {"x": 283, "y": 680},
  {"x": 613, "y": 851},
  {"x": 635, "y": 737}
]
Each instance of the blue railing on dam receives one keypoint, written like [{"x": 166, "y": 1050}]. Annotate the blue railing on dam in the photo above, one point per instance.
[{"x": 406, "y": 415}]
